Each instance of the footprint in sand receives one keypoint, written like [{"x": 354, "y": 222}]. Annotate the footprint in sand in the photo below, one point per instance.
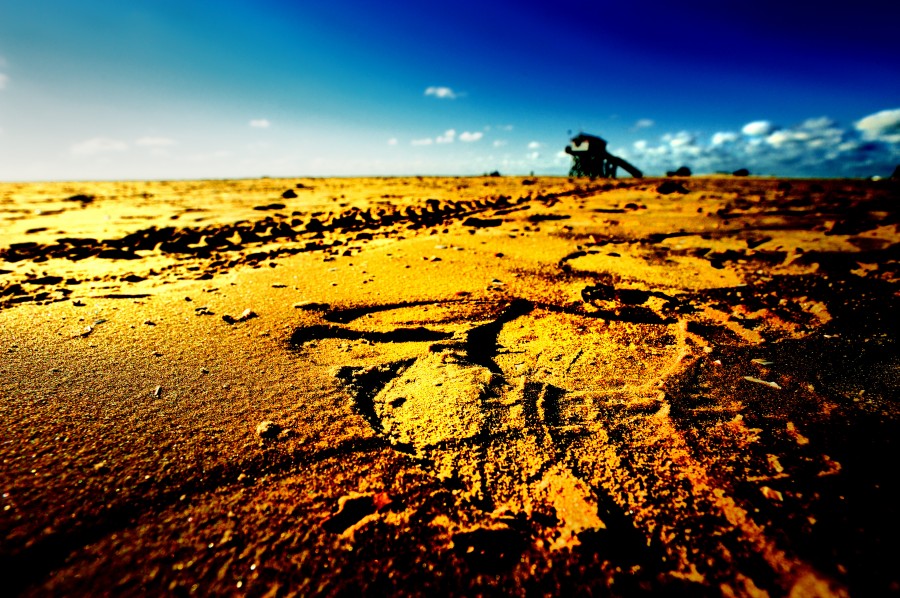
[
  {"x": 496, "y": 434},
  {"x": 554, "y": 427}
]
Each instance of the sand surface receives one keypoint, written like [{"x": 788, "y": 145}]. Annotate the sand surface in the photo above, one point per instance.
[{"x": 450, "y": 386}]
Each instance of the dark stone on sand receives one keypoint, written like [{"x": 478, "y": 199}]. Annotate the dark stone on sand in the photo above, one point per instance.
[
  {"x": 268, "y": 430},
  {"x": 246, "y": 315},
  {"x": 117, "y": 254},
  {"x": 315, "y": 225},
  {"x": 495, "y": 173},
  {"x": 683, "y": 171},
  {"x": 43, "y": 280},
  {"x": 671, "y": 187},
  {"x": 312, "y": 306},
  {"x": 741, "y": 172},
  {"x": 23, "y": 245},
  {"x": 482, "y": 222},
  {"x": 83, "y": 199},
  {"x": 289, "y": 194}
]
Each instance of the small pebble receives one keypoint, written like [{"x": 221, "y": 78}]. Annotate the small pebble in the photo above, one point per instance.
[{"x": 267, "y": 430}]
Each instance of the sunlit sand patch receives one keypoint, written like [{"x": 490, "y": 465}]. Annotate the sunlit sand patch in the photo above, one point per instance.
[{"x": 436, "y": 400}]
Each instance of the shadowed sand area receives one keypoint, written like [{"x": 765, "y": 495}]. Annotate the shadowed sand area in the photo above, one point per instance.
[{"x": 476, "y": 385}]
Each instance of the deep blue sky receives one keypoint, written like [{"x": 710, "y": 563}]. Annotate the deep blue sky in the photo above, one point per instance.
[{"x": 178, "y": 89}]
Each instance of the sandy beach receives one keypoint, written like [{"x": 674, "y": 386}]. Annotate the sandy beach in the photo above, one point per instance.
[{"x": 450, "y": 386}]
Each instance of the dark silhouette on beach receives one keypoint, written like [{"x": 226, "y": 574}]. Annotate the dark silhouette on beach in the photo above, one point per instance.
[{"x": 590, "y": 159}]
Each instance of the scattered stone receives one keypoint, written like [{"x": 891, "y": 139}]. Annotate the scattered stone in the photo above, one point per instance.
[
  {"x": 312, "y": 306},
  {"x": 247, "y": 314},
  {"x": 87, "y": 330},
  {"x": 157, "y": 391},
  {"x": 289, "y": 194},
  {"x": 771, "y": 494},
  {"x": 268, "y": 430},
  {"x": 82, "y": 199},
  {"x": 741, "y": 172},
  {"x": 765, "y": 382},
  {"x": 482, "y": 222},
  {"x": 671, "y": 187},
  {"x": 683, "y": 171}
]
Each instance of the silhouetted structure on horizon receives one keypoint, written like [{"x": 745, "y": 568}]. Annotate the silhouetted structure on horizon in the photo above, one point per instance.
[{"x": 590, "y": 159}]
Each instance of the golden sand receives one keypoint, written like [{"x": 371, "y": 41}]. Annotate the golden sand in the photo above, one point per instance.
[{"x": 451, "y": 385}]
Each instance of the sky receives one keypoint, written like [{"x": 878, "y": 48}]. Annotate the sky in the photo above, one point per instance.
[{"x": 181, "y": 89}]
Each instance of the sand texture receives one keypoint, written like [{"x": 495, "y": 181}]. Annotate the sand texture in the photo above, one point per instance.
[{"x": 463, "y": 386}]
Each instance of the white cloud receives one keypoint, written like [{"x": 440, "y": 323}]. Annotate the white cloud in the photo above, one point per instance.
[
  {"x": 444, "y": 93},
  {"x": 534, "y": 145},
  {"x": 427, "y": 141},
  {"x": 883, "y": 125},
  {"x": 534, "y": 155},
  {"x": 680, "y": 139},
  {"x": 723, "y": 137},
  {"x": 260, "y": 123},
  {"x": 470, "y": 137},
  {"x": 499, "y": 142},
  {"x": 3, "y": 80},
  {"x": 644, "y": 123},
  {"x": 98, "y": 145},
  {"x": 816, "y": 147},
  {"x": 823, "y": 122},
  {"x": 758, "y": 128},
  {"x": 779, "y": 138},
  {"x": 448, "y": 136},
  {"x": 155, "y": 142},
  {"x": 392, "y": 141}
]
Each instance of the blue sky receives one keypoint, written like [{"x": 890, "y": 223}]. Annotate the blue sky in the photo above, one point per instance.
[{"x": 93, "y": 89}]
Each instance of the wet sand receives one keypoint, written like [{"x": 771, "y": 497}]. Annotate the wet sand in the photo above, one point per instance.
[{"x": 450, "y": 385}]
